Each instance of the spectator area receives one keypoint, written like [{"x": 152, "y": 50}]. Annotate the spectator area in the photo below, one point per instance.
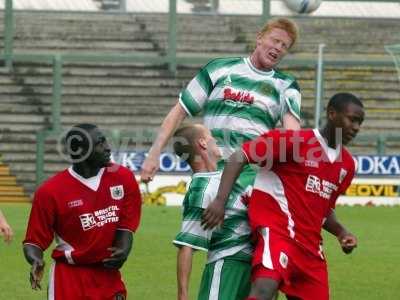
[{"x": 135, "y": 96}]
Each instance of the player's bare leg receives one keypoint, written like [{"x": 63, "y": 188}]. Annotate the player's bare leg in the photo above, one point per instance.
[{"x": 264, "y": 289}]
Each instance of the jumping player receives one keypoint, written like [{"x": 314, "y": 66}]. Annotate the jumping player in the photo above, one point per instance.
[
  {"x": 240, "y": 98},
  {"x": 92, "y": 210},
  {"x": 302, "y": 174}
]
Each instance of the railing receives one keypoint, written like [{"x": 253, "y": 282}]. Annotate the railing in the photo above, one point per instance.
[
  {"x": 57, "y": 61},
  {"x": 394, "y": 51},
  {"x": 8, "y": 33},
  {"x": 41, "y": 137},
  {"x": 9, "y": 27}
]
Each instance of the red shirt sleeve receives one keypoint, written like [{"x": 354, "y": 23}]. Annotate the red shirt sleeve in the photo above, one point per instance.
[
  {"x": 40, "y": 230},
  {"x": 269, "y": 147},
  {"x": 132, "y": 204}
]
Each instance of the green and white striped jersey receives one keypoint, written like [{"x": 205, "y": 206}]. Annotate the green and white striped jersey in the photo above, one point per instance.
[
  {"x": 232, "y": 239},
  {"x": 202, "y": 190},
  {"x": 238, "y": 101}
]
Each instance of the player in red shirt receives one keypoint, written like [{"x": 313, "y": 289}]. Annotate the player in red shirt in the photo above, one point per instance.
[
  {"x": 92, "y": 210},
  {"x": 302, "y": 174}
]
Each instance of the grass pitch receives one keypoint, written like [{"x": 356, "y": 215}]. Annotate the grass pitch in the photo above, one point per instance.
[{"x": 372, "y": 272}]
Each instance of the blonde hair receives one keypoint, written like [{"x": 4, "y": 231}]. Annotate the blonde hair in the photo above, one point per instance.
[
  {"x": 184, "y": 142},
  {"x": 282, "y": 23}
]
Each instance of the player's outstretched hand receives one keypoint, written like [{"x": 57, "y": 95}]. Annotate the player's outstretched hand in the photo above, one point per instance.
[
  {"x": 149, "y": 168},
  {"x": 5, "y": 230},
  {"x": 36, "y": 274},
  {"x": 348, "y": 242},
  {"x": 213, "y": 215},
  {"x": 116, "y": 259}
]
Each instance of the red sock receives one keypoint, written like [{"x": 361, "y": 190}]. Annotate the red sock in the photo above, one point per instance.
[{"x": 251, "y": 298}]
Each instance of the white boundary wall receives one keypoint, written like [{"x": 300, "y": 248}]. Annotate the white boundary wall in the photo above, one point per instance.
[
  {"x": 70, "y": 5},
  {"x": 240, "y": 7},
  {"x": 363, "y": 191},
  {"x": 254, "y": 7}
]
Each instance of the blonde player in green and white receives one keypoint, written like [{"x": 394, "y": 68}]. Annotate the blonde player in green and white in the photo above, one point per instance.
[
  {"x": 240, "y": 99},
  {"x": 195, "y": 145}
]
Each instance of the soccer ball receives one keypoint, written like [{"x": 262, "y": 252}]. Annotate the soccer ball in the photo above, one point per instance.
[{"x": 302, "y": 6}]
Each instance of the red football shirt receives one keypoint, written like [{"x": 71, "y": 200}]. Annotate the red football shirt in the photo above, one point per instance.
[
  {"x": 84, "y": 214},
  {"x": 298, "y": 183}
]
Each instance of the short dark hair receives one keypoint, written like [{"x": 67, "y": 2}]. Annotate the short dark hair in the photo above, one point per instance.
[
  {"x": 78, "y": 138},
  {"x": 339, "y": 101},
  {"x": 184, "y": 141}
]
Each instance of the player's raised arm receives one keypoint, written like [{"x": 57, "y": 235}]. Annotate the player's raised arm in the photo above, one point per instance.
[
  {"x": 169, "y": 125},
  {"x": 214, "y": 214},
  {"x": 263, "y": 150},
  {"x": 5, "y": 229},
  {"x": 347, "y": 240}
]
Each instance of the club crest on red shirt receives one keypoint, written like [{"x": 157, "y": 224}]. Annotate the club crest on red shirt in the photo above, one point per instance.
[
  {"x": 342, "y": 175},
  {"x": 117, "y": 192}
]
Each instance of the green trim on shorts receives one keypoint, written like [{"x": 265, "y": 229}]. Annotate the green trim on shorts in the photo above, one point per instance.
[{"x": 225, "y": 279}]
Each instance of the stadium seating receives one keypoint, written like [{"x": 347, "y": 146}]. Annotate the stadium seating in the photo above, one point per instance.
[
  {"x": 136, "y": 96},
  {"x": 9, "y": 189}
]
